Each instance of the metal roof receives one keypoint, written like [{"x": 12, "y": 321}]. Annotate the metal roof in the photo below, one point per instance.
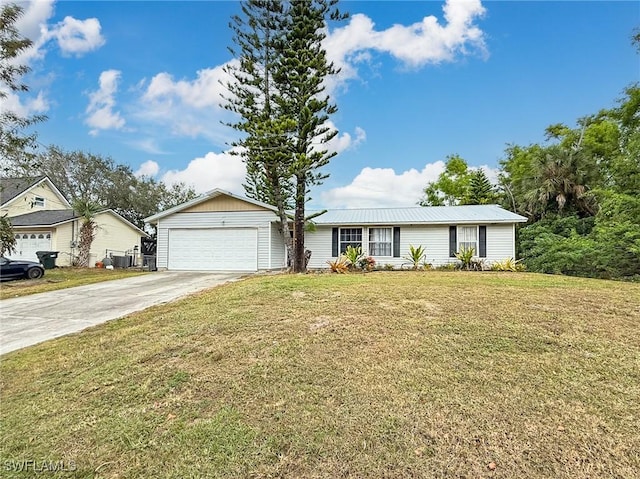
[{"x": 420, "y": 215}]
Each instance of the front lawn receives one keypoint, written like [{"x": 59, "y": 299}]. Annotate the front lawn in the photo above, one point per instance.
[
  {"x": 389, "y": 374},
  {"x": 61, "y": 278}
]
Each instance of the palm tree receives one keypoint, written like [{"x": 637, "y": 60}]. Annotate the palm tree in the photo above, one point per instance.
[
  {"x": 560, "y": 179},
  {"x": 87, "y": 210}
]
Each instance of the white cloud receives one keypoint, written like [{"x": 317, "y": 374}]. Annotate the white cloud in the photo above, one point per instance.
[
  {"x": 344, "y": 141},
  {"x": 214, "y": 170},
  {"x": 100, "y": 114},
  {"x": 72, "y": 36},
  {"x": 148, "y": 168},
  {"x": 33, "y": 25},
  {"x": 383, "y": 187},
  {"x": 26, "y": 107},
  {"x": 416, "y": 45},
  {"x": 189, "y": 107},
  {"x": 77, "y": 37}
]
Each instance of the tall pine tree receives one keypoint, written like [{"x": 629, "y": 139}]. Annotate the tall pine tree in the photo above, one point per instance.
[
  {"x": 301, "y": 74},
  {"x": 265, "y": 146},
  {"x": 481, "y": 192},
  {"x": 278, "y": 93}
]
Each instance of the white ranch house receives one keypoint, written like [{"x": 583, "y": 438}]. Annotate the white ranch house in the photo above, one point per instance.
[{"x": 222, "y": 231}]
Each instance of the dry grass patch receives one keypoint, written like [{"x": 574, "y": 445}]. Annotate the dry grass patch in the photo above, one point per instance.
[
  {"x": 382, "y": 375},
  {"x": 62, "y": 278}
]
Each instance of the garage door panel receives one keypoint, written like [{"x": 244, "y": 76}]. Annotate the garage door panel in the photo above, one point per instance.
[
  {"x": 28, "y": 243},
  {"x": 213, "y": 249}
]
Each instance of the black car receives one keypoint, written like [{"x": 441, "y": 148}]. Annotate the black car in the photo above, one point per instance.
[{"x": 19, "y": 269}]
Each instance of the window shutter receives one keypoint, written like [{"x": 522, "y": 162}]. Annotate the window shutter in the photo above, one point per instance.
[
  {"x": 482, "y": 239},
  {"x": 396, "y": 241},
  {"x": 334, "y": 244},
  {"x": 453, "y": 241}
]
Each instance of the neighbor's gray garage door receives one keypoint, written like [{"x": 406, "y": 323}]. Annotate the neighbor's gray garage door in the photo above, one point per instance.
[{"x": 213, "y": 249}]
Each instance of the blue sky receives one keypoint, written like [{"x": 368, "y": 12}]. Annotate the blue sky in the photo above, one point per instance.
[{"x": 139, "y": 82}]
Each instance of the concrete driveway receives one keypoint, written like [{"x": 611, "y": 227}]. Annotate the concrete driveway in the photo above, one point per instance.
[{"x": 32, "y": 319}]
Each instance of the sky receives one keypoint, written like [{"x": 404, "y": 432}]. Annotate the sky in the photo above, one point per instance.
[{"x": 141, "y": 82}]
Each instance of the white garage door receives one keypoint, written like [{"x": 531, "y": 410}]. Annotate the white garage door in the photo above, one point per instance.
[
  {"x": 213, "y": 249},
  {"x": 28, "y": 243}
]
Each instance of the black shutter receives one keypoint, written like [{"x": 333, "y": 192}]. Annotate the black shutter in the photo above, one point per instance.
[
  {"x": 482, "y": 233},
  {"x": 396, "y": 242},
  {"x": 334, "y": 244},
  {"x": 453, "y": 241}
]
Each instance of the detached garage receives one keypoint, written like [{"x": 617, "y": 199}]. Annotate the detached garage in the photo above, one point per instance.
[{"x": 219, "y": 231}]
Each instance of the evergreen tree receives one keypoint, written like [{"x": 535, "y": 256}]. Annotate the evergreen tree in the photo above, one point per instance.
[
  {"x": 14, "y": 143},
  {"x": 278, "y": 93},
  {"x": 481, "y": 192},
  {"x": 301, "y": 74},
  {"x": 265, "y": 147}
]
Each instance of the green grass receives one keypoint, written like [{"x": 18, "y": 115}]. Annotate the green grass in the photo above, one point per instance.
[
  {"x": 61, "y": 278},
  {"x": 390, "y": 374}
]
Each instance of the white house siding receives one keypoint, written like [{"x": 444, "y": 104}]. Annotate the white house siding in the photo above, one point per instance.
[
  {"x": 500, "y": 242},
  {"x": 250, "y": 219},
  {"x": 278, "y": 255},
  {"x": 434, "y": 239},
  {"x": 319, "y": 243}
]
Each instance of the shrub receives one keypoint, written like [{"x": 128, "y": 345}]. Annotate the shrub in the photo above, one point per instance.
[
  {"x": 353, "y": 255},
  {"x": 366, "y": 263},
  {"x": 389, "y": 267},
  {"x": 508, "y": 264},
  {"x": 340, "y": 265},
  {"x": 415, "y": 256},
  {"x": 468, "y": 262}
]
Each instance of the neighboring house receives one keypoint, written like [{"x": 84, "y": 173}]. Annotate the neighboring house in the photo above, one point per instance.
[
  {"x": 223, "y": 231},
  {"x": 43, "y": 220}
]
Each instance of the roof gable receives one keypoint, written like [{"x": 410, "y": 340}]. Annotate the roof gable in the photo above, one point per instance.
[
  {"x": 214, "y": 200},
  {"x": 11, "y": 189}
]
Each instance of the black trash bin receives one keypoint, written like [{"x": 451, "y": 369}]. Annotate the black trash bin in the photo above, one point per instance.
[{"x": 47, "y": 258}]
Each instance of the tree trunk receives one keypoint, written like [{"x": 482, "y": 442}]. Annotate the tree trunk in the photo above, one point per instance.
[
  {"x": 87, "y": 235},
  {"x": 299, "y": 263}
]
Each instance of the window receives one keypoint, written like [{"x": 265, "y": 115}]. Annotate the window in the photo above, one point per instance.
[
  {"x": 350, "y": 237},
  {"x": 38, "y": 201},
  {"x": 380, "y": 241},
  {"x": 468, "y": 238}
]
